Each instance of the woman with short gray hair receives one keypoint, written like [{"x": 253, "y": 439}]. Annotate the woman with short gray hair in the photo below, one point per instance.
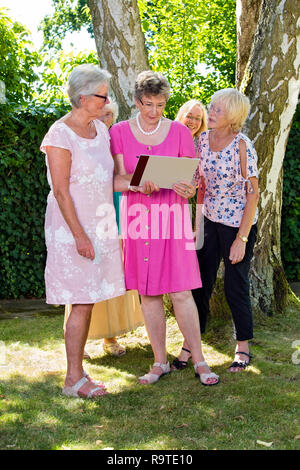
[{"x": 83, "y": 265}]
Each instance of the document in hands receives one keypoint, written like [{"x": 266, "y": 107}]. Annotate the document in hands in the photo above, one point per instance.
[{"x": 163, "y": 171}]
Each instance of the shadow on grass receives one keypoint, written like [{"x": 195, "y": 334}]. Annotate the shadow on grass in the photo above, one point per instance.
[{"x": 176, "y": 413}]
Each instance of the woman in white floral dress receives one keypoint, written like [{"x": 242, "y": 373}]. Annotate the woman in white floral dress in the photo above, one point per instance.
[{"x": 84, "y": 263}]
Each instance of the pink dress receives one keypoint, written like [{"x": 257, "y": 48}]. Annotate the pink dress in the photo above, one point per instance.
[
  {"x": 159, "y": 252},
  {"x": 71, "y": 278}
]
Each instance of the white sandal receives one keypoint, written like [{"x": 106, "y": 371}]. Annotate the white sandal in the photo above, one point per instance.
[
  {"x": 152, "y": 378},
  {"x": 73, "y": 391},
  {"x": 99, "y": 383},
  {"x": 204, "y": 377}
]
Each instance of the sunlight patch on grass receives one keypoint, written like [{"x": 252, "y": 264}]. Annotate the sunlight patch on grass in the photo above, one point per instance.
[{"x": 32, "y": 361}]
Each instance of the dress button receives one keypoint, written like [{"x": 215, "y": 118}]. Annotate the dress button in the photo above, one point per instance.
[
  {"x": 145, "y": 259},
  {"x": 146, "y": 243},
  {"x": 148, "y": 148},
  {"x": 147, "y": 227},
  {"x": 148, "y": 195}
]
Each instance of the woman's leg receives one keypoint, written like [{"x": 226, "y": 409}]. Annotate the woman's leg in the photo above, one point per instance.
[
  {"x": 188, "y": 321},
  {"x": 76, "y": 333},
  {"x": 155, "y": 323},
  {"x": 209, "y": 257},
  {"x": 236, "y": 284}
]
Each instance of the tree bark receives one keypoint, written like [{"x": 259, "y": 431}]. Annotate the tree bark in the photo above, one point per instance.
[
  {"x": 121, "y": 47},
  {"x": 247, "y": 14},
  {"x": 272, "y": 82}
]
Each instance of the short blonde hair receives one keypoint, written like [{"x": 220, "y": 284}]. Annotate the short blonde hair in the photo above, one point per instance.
[
  {"x": 186, "y": 108},
  {"x": 237, "y": 106},
  {"x": 84, "y": 80},
  {"x": 149, "y": 83},
  {"x": 113, "y": 107}
]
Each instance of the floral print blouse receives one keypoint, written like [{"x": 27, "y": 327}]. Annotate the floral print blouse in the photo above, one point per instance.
[{"x": 225, "y": 187}]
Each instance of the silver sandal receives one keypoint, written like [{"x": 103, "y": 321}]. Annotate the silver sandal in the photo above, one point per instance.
[
  {"x": 73, "y": 391},
  {"x": 204, "y": 377},
  {"x": 152, "y": 378}
]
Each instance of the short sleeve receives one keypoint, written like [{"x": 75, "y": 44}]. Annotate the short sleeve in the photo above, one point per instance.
[
  {"x": 186, "y": 146},
  {"x": 57, "y": 136},
  {"x": 116, "y": 146},
  {"x": 251, "y": 158}
]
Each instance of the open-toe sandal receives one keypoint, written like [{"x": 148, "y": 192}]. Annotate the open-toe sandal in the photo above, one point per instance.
[
  {"x": 115, "y": 349},
  {"x": 152, "y": 378},
  {"x": 240, "y": 364},
  {"x": 75, "y": 392},
  {"x": 178, "y": 364},
  {"x": 205, "y": 377},
  {"x": 96, "y": 382}
]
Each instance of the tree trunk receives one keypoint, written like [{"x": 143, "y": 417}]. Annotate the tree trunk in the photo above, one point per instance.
[
  {"x": 121, "y": 47},
  {"x": 272, "y": 82},
  {"x": 247, "y": 14}
]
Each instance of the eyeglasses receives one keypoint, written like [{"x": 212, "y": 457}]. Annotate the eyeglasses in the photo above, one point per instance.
[
  {"x": 149, "y": 105},
  {"x": 215, "y": 109},
  {"x": 105, "y": 98}
]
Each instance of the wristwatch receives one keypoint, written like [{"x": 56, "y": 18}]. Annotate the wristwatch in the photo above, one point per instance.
[{"x": 243, "y": 238}]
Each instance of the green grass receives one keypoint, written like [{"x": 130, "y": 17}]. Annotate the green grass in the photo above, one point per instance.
[{"x": 178, "y": 413}]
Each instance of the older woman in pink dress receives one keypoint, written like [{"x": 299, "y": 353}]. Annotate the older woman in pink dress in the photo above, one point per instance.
[
  {"x": 84, "y": 264},
  {"x": 156, "y": 259}
]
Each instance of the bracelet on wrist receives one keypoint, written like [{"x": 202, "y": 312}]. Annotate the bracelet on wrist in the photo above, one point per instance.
[
  {"x": 132, "y": 188},
  {"x": 243, "y": 238}
]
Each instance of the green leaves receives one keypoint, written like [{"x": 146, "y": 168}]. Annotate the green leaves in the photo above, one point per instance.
[
  {"x": 17, "y": 60},
  {"x": 290, "y": 222},
  {"x": 23, "y": 195},
  {"x": 69, "y": 15},
  {"x": 181, "y": 35}
]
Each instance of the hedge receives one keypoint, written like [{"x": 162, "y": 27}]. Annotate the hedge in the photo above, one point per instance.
[
  {"x": 290, "y": 221},
  {"x": 23, "y": 194}
]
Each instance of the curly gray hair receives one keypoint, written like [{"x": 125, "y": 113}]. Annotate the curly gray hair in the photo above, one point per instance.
[{"x": 150, "y": 83}]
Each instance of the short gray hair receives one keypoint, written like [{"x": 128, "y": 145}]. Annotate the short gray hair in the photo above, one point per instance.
[
  {"x": 84, "y": 80},
  {"x": 150, "y": 83}
]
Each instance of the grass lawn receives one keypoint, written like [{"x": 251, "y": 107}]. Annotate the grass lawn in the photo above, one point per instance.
[{"x": 260, "y": 404}]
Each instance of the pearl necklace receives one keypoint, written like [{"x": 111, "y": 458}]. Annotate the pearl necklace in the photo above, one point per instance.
[{"x": 142, "y": 130}]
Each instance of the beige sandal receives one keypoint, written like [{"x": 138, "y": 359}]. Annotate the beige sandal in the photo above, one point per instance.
[
  {"x": 204, "y": 377},
  {"x": 152, "y": 378},
  {"x": 99, "y": 383},
  {"x": 115, "y": 349}
]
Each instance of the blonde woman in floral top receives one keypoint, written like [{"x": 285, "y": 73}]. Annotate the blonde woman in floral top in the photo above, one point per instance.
[{"x": 228, "y": 167}]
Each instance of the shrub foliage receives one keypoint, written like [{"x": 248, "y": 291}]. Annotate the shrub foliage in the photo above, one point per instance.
[{"x": 23, "y": 195}]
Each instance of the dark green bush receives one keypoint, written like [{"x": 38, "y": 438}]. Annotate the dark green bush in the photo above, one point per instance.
[
  {"x": 23, "y": 194},
  {"x": 290, "y": 222}
]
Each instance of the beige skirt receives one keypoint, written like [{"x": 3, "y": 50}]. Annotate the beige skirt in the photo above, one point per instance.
[{"x": 113, "y": 317}]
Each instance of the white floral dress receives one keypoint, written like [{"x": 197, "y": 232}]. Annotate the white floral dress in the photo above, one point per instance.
[{"x": 71, "y": 278}]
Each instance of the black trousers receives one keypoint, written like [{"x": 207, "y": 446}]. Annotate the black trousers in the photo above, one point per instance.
[{"x": 218, "y": 239}]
